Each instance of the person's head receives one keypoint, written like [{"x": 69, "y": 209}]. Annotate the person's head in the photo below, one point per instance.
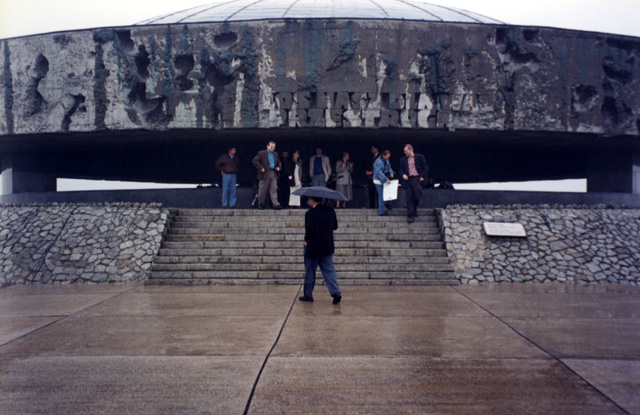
[
  {"x": 232, "y": 151},
  {"x": 386, "y": 155},
  {"x": 296, "y": 155},
  {"x": 285, "y": 155},
  {"x": 345, "y": 156},
  {"x": 318, "y": 151},
  {"x": 374, "y": 149},
  {"x": 315, "y": 200},
  {"x": 408, "y": 150},
  {"x": 271, "y": 146}
]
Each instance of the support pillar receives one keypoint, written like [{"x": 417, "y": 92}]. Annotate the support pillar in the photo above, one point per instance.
[
  {"x": 28, "y": 174},
  {"x": 613, "y": 173}
]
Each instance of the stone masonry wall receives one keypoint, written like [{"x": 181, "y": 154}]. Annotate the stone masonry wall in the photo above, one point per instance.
[
  {"x": 581, "y": 245},
  {"x": 79, "y": 243}
]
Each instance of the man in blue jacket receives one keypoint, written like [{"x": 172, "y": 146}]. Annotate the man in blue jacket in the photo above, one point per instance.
[
  {"x": 319, "y": 223},
  {"x": 413, "y": 171}
]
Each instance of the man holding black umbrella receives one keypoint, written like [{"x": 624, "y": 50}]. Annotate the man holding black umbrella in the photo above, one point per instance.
[{"x": 319, "y": 222}]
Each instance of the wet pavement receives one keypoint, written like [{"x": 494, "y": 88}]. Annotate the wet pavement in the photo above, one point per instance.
[{"x": 495, "y": 349}]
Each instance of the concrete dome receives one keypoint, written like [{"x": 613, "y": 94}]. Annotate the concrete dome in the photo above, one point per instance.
[{"x": 242, "y": 10}]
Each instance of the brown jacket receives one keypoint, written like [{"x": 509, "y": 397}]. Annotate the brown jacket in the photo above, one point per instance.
[
  {"x": 228, "y": 165},
  {"x": 261, "y": 161}
]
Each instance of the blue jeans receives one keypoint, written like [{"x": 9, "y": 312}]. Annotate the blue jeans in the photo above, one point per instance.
[
  {"x": 381, "y": 205},
  {"x": 228, "y": 188},
  {"x": 327, "y": 270},
  {"x": 318, "y": 180}
]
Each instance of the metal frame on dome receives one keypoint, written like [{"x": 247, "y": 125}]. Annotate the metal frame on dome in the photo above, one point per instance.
[{"x": 244, "y": 10}]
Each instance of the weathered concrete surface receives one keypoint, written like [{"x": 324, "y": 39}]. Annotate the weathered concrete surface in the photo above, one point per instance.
[
  {"x": 350, "y": 358},
  {"x": 321, "y": 73},
  {"x": 485, "y": 102}
]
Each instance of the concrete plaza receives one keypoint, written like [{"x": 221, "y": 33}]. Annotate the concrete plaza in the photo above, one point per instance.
[{"x": 495, "y": 349}]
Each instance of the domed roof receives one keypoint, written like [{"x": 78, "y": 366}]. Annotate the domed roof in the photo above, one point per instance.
[{"x": 242, "y": 10}]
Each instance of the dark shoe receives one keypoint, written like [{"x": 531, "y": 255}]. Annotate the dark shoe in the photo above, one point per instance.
[
  {"x": 410, "y": 220},
  {"x": 388, "y": 206},
  {"x": 383, "y": 214},
  {"x": 306, "y": 299},
  {"x": 336, "y": 298},
  {"x": 278, "y": 207},
  {"x": 261, "y": 207}
]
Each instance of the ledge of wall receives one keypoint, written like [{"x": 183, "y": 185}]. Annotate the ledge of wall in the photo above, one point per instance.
[
  {"x": 67, "y": 243},
  {"x": 563, "y": 244}
]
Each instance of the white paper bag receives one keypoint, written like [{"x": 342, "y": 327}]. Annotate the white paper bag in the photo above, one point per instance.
[{"x": 390, "y": 190}]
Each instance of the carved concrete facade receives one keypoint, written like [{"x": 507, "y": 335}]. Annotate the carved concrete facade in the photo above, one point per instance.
[
  {"x": 321, "y": 73},
  {"x": 543, "y": 84}
]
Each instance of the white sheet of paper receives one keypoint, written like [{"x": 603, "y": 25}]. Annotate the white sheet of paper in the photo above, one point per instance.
[{"x": 390, "y": 190}]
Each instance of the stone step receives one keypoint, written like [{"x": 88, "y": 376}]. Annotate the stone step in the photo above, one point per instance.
[
  {"x": 387, "y": 268},
  {"x": 231, "y": 246},
  {"x": 228, "y": 252},
  {"x": 279, "y": 219},
  {"x": 297, "y": 224},
  {"x": 295, "y": 212},
  {"x": 339, "y": 244},
  {"x": 276, "y": 281},
  {"x": 437, "y": 257},
  {"x": 295, "y": 229},
  {"x": 299, "y": 237},
  {"x": 298, "y": 275}
]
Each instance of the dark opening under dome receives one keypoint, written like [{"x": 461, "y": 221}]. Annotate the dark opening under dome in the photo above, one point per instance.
[{"x": 242, "y": 10}]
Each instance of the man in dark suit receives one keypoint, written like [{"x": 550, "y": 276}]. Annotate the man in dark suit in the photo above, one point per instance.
[
  {"x": 268, "y": 163},
  {"x": 319, "y": 223},
  {"x": 413, "y": 171}
]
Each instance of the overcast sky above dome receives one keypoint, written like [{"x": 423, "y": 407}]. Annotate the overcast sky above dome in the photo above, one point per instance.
[{"x": 24, "y": 17}]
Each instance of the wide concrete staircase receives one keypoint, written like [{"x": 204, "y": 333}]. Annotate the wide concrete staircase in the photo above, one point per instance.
[{"x": 253, "y": 246}]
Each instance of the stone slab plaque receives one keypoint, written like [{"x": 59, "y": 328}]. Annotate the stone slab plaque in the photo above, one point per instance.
[{"x": 515, "y": 230}]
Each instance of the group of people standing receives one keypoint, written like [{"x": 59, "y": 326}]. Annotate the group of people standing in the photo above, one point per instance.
[
  {"x": 412, "y": 173},
  {"x": 279, "y": 177}
]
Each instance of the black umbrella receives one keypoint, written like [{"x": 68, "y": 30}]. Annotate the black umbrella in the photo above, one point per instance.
[{"x": 319, "y": 192}]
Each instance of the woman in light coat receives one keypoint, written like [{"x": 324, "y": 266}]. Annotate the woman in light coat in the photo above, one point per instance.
[
  {"x": 344, "y": 183},
  {"x": 294, "y": 174}
]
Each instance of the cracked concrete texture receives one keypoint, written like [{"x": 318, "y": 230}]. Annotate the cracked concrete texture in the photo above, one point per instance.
[
  {"x": 320, "y": 73},
  {"x": 103, "y": 349}
]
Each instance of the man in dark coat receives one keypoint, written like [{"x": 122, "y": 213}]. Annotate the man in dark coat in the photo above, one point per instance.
[
  {"x": 319, "y": 223},
  {"x": 268, "y": 164},
  {"x": 413, "y": 171}
]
